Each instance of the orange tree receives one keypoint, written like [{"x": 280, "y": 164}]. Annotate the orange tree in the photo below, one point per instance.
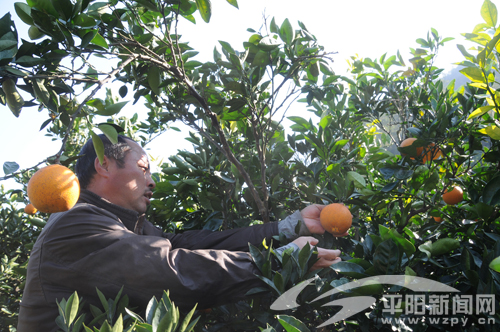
[{"x": 247, "y": 168}]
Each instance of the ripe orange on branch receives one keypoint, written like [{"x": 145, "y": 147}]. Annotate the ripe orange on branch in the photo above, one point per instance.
[
  {"x": 54, "y": 188},
  {"x": 30, "y": 209},
  {"x": 336, "y": 219},
  {"x": 409, "y": 142},
  {"x": 432, "y": 152},
  {"x": 454, "y": 196},
  {"x": 437, "y": 219}
]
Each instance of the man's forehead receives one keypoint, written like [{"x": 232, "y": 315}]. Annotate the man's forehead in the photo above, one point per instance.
[{"x": 138, "y": 151}]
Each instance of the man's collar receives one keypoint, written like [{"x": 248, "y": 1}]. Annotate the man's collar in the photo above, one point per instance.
[{"x": 128, "y": 217}]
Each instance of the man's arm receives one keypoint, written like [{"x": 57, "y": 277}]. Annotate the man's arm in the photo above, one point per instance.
[
  {"x": 231, "y": 239},
  {"x": 85, "y": 251}
]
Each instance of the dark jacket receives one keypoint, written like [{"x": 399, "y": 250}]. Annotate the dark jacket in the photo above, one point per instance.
[{"x": 99, "y": 244}]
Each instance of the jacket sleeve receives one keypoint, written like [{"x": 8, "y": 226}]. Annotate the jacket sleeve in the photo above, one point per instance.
[
  {"x": 231, "y": 239},
  {"x": 84, "y": 250}
]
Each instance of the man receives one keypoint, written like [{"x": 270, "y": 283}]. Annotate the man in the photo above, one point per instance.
[{"x": 104, "y": 241}]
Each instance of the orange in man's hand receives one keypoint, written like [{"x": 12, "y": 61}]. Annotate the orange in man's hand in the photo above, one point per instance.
[
  {"x": 54, "y": 188},
  {"x": 336, "y": 219}
]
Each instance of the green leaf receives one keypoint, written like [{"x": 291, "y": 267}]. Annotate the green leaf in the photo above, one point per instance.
[
  {"x": 314, "y": 69},
  {"x": 226, "y": 46},
  {"x": 491, "y": 192},
  {"x": 185, "y": 323},
  {"x": 87, "y": 38},
  {"x": 426, "y": 248},
  {"x": 84, "y": 21},
  {"x": 286, "y": 32},
  {"x": 489, "y": 13},
  {"x": 349, "y": 269},
  {"x": 44, "y": 6},
  {"x": 154, "y": 79},
  {"x": 495, "y": 264},
  {"x": 268, "y": 43},
  {"x": 292, "y": 324},
  {"x": 112, "y": 109},
  {"x": 233, "y": 3},
  {"x": 356, "y": 177},
  {"x": 35, "y": 33},
  {"x": 492, "y": 131},
  {"x": 24, "y": 12},
  {"x": 118, "y": 327},
  {"x": 105, "y": 327},
  {"x": 474, "y": 74},
  {"x": 10, "y": 167},
  {"x": 205, "y": 8},
  {"x": 480, "y": 111},
  {"x": 261, "y": 59},
  {"x": 99, "y": 41},
  {"x": 99, "y": 150},
  {"x": 71, "y": 308},
  {"x": 304, "y": 255},
  {"x": 274, "y": 27},
  {"x": 109, "y": 131},
  {"x": 64, "y": 8},
  {"x": 444, "y": 246},
  {"x": 29, "y": 61},
  {"x": 235, "y": 86},
  {"x": 466, "y": 54},
  {"x": 407, "y": 246}
]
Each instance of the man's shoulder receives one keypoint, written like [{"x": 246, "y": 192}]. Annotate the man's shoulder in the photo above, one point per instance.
[{"x": 83, "y": 212}]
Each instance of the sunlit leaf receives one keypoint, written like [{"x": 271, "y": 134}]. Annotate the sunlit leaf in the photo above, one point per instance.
[
  {"x": 233, "y": 2},
  {"x": 489, "y": 13},
  {"x": 286, "y": 32},
  {"x": 205, "y": 9},
  {"x": 99, "y": 41},
  {"x": 474, "y": 74},
  {"x": 495, "y": 264},
  {"x": 492, "y": 131},
  {"x": 480, "y": 111},
  {"x": 292, "y": 324}
]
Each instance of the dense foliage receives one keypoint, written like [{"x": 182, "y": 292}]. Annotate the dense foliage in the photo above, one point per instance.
[{"x": 247, "y": 168}]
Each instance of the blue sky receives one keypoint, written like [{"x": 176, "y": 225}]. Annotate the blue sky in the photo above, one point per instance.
[{"x": 364, "y": 27}]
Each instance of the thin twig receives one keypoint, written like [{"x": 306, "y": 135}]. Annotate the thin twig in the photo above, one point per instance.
[{"x": 80, "y": 107}]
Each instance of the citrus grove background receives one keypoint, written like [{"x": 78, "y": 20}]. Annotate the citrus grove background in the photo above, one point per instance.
[
  {"x": 366, "y": 28},
  {"x": 277, "y": 120}
]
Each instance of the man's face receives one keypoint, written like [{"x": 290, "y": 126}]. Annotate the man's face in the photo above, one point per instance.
[{"x": 132, "y": 185}]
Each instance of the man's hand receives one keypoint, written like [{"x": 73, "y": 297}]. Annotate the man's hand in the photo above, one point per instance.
[
  {"x": 326, "y": 257},
  {"x": 310, "y": 217}
]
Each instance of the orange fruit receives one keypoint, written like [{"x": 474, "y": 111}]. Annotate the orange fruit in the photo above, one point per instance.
[
  {"x": 453, "y": 196},
  {"x": 409, "y": 142},
  {"x": 336, "y": 218},
  {"x": 30, "y": 209},
  {"x": 54, "y": 188},
  {"x": 437, "y": 219},
  {"x": 433, "y": 153}
]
